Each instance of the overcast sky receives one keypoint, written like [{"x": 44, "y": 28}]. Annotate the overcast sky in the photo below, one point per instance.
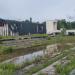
[{"x": 39, "y": 10}]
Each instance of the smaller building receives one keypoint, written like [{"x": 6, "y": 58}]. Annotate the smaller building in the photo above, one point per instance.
[
  {"x": 51, "y": 27},
  {"x": 70, "y": 32}
]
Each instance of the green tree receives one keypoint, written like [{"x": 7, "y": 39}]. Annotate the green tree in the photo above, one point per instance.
[{"x": 62, "y": 24}]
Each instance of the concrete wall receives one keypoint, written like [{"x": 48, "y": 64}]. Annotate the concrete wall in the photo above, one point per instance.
[
  {"x": 4, "y": 30},
  {"x": 51, "y": 26},
  {"x": 70, "y": 31}
]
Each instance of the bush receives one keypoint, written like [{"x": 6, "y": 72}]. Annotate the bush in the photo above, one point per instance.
[
  {"x": 7, "y": 69},
  {"x": 0, "y": 37},
  {"x": 7, "y": 50},
  {"x": 49, "y": 38},
  {"x": 58, "y": 68}
]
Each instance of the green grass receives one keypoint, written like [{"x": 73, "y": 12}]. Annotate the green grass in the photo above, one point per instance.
[
  {"x": 47, "y": 63},
  {"x": 7, "y": 69},
  {"x": 41, "y": 66},
  {"x": 7, "y": 37},
  {"x": 52, "y": 40},
  {"x": 10, "y": 68},
  {"x": 65, "y": 70},
  {"x": 39, "y": 35},
  {"x": 6, "y": 50}
]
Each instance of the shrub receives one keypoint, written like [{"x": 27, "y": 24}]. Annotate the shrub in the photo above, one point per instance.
[
  {"x": 7, "y": 50},
  {"x": 7, "y": 69},
  {"x": 58, "y": 68},
  {"x": 49, "y": 38},
  {"x": 0, "y": 37}
]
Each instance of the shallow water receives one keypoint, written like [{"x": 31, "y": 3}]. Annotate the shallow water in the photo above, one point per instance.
[
  {"x": 31, "y": 54},
  {"x": 28, "y": 57}
]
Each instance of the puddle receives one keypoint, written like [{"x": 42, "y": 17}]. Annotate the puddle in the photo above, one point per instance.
[
  {"x": 48, "y": 50},
  {"x": 28, "y": 57}
]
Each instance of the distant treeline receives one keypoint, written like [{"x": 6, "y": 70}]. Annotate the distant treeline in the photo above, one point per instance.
[{"x": 66, "y": 24}]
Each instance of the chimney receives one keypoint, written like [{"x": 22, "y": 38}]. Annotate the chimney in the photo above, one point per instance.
[{"x": 30, "y": 19}]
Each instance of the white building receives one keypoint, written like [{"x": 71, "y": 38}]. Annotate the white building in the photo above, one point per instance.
[
  {"x": 70, "y": 32},
  {"x": 51, "y": 27}
]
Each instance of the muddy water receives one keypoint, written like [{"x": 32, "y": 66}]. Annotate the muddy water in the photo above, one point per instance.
[{"x": 49, "y": 49}]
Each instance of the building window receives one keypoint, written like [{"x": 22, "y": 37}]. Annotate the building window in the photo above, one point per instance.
[{"x": 54, "y": 23}]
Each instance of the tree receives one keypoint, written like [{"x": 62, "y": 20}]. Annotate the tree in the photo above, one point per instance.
[{"x": 62, "y": 24}]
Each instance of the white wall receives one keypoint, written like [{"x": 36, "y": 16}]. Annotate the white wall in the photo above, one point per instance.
[
  {"x": 4, "y": 30},
  {"x": 69, "y": 31},
  {"x": 51, "y": 26}
]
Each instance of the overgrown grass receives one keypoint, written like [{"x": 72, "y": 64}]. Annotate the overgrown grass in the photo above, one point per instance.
[
  {"x": 7, "y": 37},
  {"x": 6, "y": 50},
  {"x": 57, "y": 39},
  {"x": 41, "y": 66},
  {"x": 52, "y": 40},
  {"x": 46, "y": 63},
  {"x": 39, "y": 35},
  {"x": 7, "y": 69},
  {"x": 65, "y": 70}
]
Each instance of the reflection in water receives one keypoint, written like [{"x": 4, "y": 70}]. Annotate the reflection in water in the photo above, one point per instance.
[
  {"x": 27, "y": 57},
  {"x": 50, "y": 49}
]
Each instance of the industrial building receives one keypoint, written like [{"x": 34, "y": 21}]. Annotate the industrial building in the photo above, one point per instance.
[
  {"x": 14, "y": 28},
  {"x": 51, "y": 27}
]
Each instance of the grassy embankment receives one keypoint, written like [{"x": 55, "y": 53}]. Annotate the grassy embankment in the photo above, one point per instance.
[
  {"x": 67, "y": 66},
  {"x": 43, "y": 62},
  {"x": 6, "y": 37},
  {"x": 48, "y": 62},
  {"x": 65, "y": 70},
  {"x": 10, "y": 68},
  {"x": 50, "y": 40}
]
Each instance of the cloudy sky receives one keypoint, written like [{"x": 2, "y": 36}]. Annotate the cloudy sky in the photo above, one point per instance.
[{"x": 39, "y": 10}]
